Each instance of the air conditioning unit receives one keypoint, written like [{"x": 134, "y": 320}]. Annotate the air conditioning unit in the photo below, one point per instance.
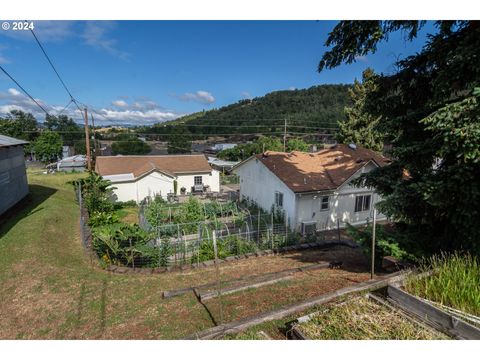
[{"x": 308, "y": 227}]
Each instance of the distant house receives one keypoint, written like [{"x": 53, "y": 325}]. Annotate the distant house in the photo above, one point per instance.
[
  {"x": 222, "y": 165},
  {"x": 140, "y": 177},
  {"x": 13, "y": 175},
  {"x": 313, "y": 189},
  {"x": 72, "y": 163},
  {"x": 219, "y": 147},
  {"x": 67, "y": 151}
]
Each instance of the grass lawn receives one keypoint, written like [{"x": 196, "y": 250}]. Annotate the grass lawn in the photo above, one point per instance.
[
  {"x": 128, "y": 214},
  {"x": 51, "y": 290}
]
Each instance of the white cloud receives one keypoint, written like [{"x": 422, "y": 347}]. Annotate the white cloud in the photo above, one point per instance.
[
  {"x": 246, "y": 95},
  {"x": 96, "y": 34},
  {"x": 120, "y": 103},
  {"x": 13, "y": 99},
  {"x": 14, "y": 92},
  {"x": 137, "y": 116},
  {"x": 141, "y": 112},
  {"x": 291, "y": 88},
  {"x": 362, "y": 58},
  {"x": 201, "y": 96}
]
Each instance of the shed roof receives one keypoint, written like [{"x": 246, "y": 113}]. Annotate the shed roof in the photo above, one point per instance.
[
  {"x": 6, "y": 141},
  {"x": 326, "y": 169},
  {"x": 140, "y": 165}
]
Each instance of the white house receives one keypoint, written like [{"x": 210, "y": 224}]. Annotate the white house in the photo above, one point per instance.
[
  {"x": 314, "y": 189},
  {"x": 13, "y": 175},
  {"x": 139, "y": 177}
]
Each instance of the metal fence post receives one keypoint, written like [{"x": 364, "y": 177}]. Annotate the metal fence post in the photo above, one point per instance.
[{"x": 131, "y": 252}]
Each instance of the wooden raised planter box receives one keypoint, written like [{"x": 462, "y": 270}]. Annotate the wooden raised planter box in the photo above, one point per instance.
[{"x": 431, "y": 315}]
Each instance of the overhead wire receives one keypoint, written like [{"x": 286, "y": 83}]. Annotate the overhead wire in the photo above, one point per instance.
[{"x": 25, "y": 91}]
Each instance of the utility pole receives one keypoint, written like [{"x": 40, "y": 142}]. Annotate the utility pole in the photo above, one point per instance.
[
  {"x": 87, "y": 142},
  {"x": 285, "y": 136},
  {"x": 95, "y": 147}
]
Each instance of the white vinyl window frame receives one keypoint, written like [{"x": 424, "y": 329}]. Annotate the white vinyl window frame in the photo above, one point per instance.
[
  {"x": 324, "y": 203},
  {"x": 362, "y": 203}
]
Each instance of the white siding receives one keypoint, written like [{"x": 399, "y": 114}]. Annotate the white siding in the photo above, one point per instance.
[
  {"x": 154, "y": 184},
  {"x": 211, "y": 178},
  {"x": 259, "y": 184},
  {"x": 341, "y": 205},
  {"x": 157, "y": 183}
]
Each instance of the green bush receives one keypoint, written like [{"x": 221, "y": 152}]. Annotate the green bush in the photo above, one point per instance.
[
  {"x": 124, "y": 244},
  {"x": 206, "y": 250},
  {"x": 102, "y": 218},
  {"x": 125, "y": 204},
  {"x": 387, "y": 243}
]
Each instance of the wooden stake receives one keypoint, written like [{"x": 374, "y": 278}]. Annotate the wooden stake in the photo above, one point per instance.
[{"x": 285, "y": 136}]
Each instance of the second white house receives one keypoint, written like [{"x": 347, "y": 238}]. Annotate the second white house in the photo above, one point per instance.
[
  {"x": 139, "y": 177},
  {"x": 313, "y": 189}
]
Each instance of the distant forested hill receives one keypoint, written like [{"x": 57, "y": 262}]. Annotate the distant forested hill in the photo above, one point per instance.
[{"x": 305, "y": 110}]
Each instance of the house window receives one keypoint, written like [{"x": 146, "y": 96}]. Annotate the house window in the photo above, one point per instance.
[
  {"x": 324, "y": 200},
  {"x": 362, "y": 203},
  {"x": 197, "y": 180},
  {"x": 278, "y": 199}
]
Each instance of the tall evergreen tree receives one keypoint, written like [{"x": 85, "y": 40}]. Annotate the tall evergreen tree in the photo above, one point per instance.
[
  {"x": 430, "y": 114},
  {"x": 359, "y": 126}
]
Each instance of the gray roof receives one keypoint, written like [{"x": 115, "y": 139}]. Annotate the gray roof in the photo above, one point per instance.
[
  {"x": 72, "y": 161},
  {"x": 6, "y": 141}
]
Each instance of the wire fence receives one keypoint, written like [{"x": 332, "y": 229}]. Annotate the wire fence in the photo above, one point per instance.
[{"x": 168, "y": 243}]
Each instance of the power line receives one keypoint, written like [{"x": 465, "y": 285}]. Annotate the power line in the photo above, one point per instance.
[
  {"x": 65, "y": 108},
  {"x": 25, "y": 91},
  {"x": 201, "y": 134},
  {"x": 51, "y": 64}
]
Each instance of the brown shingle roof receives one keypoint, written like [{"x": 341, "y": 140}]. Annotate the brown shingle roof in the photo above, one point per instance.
[
  {"x": 139, "y": 165},
  {"x": 326, "y": 169}
]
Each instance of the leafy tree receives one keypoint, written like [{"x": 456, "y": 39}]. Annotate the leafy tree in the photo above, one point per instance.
[
  {"x": 296, "y": 144},
  {"x": 129, "y": 144},
  {"x": 69, "y": 130},
  {"x": 178, "y": 141},
  {"x": 80, "y": 147},
  {"x": 430, "y": 115},
  {"x": 97, "y": 193},
  {"x": 264, "y": 143},
  {"x": 360, "y": 127},
  {"x": 48, "y": 146},
  {"x": 20, "y": 125}
]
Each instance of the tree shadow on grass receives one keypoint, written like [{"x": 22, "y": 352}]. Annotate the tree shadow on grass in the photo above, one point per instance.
[{"x": 25, "y": 207}]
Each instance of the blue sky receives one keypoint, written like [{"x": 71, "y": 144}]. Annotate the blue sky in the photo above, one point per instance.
[{"x": 148, "y": 71}]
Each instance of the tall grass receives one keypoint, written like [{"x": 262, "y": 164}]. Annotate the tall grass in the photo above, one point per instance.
[
  {"x": 362, "y": 319},
  {"x": 455, "y": 282}
]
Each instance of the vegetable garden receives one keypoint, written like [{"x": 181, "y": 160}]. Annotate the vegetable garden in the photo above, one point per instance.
[{"x": 170, "y": 234}]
